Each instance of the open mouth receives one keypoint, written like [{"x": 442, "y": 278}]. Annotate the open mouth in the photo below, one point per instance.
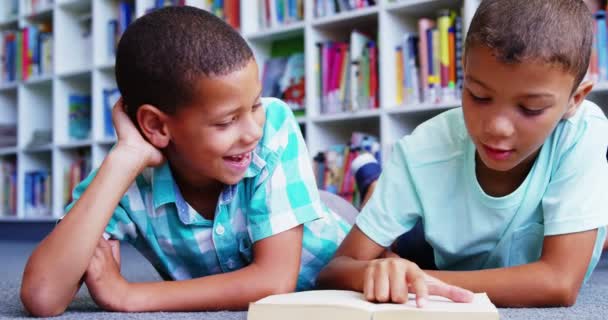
[{"x": 238, "y": 161}]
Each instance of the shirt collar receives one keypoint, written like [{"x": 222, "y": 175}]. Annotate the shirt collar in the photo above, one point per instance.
[
  {"x": 165, "y": 190},
  {"x": 163, "y": 186}
]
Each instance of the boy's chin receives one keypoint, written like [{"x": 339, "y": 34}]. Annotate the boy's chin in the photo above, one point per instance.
[{"x": 232, "y": 180}]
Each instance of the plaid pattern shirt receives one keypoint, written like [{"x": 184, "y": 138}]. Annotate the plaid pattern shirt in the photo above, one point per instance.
[{"x": 277, "y": 193}]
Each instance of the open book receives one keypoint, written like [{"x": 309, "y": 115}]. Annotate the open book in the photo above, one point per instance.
[{"x": 335, "y": 304}]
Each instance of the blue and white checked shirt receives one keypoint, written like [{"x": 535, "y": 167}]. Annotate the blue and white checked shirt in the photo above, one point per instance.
[{"x": 277, "y": 193}]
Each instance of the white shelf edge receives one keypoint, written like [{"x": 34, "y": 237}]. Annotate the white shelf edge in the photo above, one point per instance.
[
  {"x": 7, "y": 151},
  {"x": 344, "y": 16},
  {"x": 75, "y": 73},
  {"x": 425, "y": 107},
  {"x": 105, "y": 66},
  {"x": 347, "y": 116},
  {"x": 74, "y": 144},
  {"x": 267, "y": 34},
  {"x": 48, "y": 10},
  {"x": 9, "y": 21},
  {"x": 42, "y": 148},
  {"x": 403, "y": 4},
  {"x": 38, "y": 79},
  {"x": 106, "y": 140},
  {"x": 9, "y": 86},
  {"x": 600, "y": 87}
]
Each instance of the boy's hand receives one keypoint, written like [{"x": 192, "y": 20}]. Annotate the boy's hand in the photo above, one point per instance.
[
  {"x": 130, "y": 139},
  {"x": 103, "y": 279},
  {"x": 390, "y": 279}
]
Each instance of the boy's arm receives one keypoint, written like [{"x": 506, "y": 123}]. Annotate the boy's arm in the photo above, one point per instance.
[
  {"x": 274, "y": 270},
  {"x": 55, "y": 269},
  {"x": 554, "y": 280}
]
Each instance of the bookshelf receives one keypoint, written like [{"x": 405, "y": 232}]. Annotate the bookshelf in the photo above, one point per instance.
[{"x": 82, "y": 64}]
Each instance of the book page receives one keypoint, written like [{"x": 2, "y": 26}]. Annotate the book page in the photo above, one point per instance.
[
  {"x": 480, "y": 303},
  {"x": 480, "y": 308},
  {"x": 321, "y": 298}
]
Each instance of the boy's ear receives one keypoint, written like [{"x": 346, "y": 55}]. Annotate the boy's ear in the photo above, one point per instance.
[
  {"x": 153, "y": 125},
  {"x": 578, "y": 97}
]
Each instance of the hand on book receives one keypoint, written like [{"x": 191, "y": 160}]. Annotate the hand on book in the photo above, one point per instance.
[
  {"x": 131, "y": 139},
  {"x": 390, "y": 279}
]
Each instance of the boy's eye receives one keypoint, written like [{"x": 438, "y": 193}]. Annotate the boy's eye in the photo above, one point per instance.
[
  {"x": 256, "y": 106},
  {"x": 531, "y": 112},
  {"x": 227, "y": 123},
  {"x": 478, "y": 98}
]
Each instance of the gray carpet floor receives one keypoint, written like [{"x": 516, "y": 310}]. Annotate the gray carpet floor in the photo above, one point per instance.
[{"x": 592, "y": 301}]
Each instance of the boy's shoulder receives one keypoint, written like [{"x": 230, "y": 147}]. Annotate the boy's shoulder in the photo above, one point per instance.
[
  {"x": 588, "y": 124},
  {"x": 438, "y": 139},
  {"x": 280, "y": 123}
]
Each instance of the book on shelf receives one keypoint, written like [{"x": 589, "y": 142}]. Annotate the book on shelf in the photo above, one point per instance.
[
  {"x": 324, "y": 8},
  {"x": 228, "y": 10},
  {"x": 77, "y": 171},
  {"x": 8, "y": 135},
  {"x": 79, "y": 116},
  {"x": 117, "y": 25},
  {"x": 8, "y": 187},
  {"x": 26, "y": 52},
  {"x": 37, "y": 193},
  {"x": 339, "y": 304},
  {"x": 277, "y": 13},
  {"x": 348, "y": 74},
  {"x": 110, "y": 96},
  {"x": 283, "y": 74},
  {"x": 429, "y": 61},
  {"x": 332, "y": 167}
]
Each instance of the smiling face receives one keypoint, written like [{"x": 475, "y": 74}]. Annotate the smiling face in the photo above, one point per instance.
[
  {"x": 511, "y": 109},
  {"x": 212, "y": 138}
]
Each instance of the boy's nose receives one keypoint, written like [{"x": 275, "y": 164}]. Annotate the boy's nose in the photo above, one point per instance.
[
  {"x": 252, "y": 133},
  {"x": 499, "y": 127}
]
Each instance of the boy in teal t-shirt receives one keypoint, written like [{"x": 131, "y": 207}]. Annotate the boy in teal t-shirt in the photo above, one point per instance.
[{"x": 510, "y": 189}]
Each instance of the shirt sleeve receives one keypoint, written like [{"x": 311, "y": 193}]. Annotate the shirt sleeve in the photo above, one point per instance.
[
  {"x": 575, "y": 199},
  {"x": 120, "y": 227},
  {"x": 285, "y": 193},
  {"x": 394, "y": 207}
]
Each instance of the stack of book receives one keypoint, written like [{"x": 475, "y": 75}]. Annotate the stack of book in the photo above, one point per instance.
[
  {"x": 332, "y": 167},
  {"x": 27, "y": 52},
  {"x": 77, "y": 171},
  {"x": 428, "y": 63},
  {"x": 228, "y": 10},
  {"x": 277, "y": 13},
  {"x": 37, "y": 193},
  {"x": 348, "y": 74},
  {"x": 118, "y": 25}
]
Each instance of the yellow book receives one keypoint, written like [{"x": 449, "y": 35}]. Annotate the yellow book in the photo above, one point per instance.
[
  {"x": 399, "y": 70},
  {"x": 336, "y": 304}
]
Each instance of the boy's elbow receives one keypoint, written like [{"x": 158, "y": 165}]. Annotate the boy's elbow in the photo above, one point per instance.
[
  {"x": 563, "y": 294},
  {"x": 38, "y": 302},
  {"x": 284, "y": 285}
]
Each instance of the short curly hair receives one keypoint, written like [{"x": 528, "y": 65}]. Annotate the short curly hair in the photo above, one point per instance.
[
  {"x": 554, "y": 31},
  {"x": 162, "y": 54}
]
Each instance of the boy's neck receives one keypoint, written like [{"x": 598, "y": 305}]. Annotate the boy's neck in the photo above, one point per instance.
[
  {"x": 201, "y": 197},
  {"x": 502, "y": 183}
]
